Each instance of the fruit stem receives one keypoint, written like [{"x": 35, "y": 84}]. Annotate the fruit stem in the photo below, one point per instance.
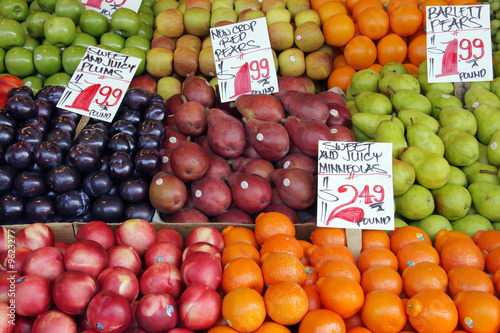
[{"x": 488, "y": 171}]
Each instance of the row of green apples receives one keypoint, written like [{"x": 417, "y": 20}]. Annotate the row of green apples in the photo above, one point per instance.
[
  {"x": 43, "y": 42},
  {"x": 446, "y": 153}
]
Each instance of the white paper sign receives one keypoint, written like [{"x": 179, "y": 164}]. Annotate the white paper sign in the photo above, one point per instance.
[
  {"x": 108, "y": 7},
  {"x": 99, "y": 84},
  {"x": 355, "y": 188},
  {"x": 459, "y": 43},
  {"x": 244, "y": 59}
]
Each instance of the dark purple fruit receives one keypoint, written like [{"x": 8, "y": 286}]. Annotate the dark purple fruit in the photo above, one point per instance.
[
  {"x": 7, "y": 175},
  {"x": 62, "y": 179},
  {"x": 85, "y": 157},
  {"x": 38, "y": 122},
  {"x": 42, "y": 93},
  {"x": 122, "y": 126},
  {"x": 62, "y": 137},
  {"x": 121, "y": 166},
  {"x": 7, "y": 135},
  {"x": 134, "y": 190},
  {"x": 75, "y": 116},
  {"x": 130, "y": 115},
  {"x": 96, "y": 184},
  {"x": 21, "y": 107},
  {"x": 95, "y": 137},
  {"x": 108, "y": 208},
  {"x": 142, "y": 210},
  {"x": 65, "y": 123},
  {"x": 148, "y": 141},
  {"x": 30, "y": 184},
  {"x": 47, "y": 155},
  {"x": 72, "y": 204},
  {"x": 148, "y": 162},
  {"x": 122, "y": 142},
  {"x": 44, "y": 109},
  {"x": 156, "y": 98},
  {"x": 31, "y": 134},
  {"x": 6, "y": 118},
  {"x": 11, "y": 208},
  {"x": 98, "y": 126},
  {"x": 19, "y": 155},
  {"x": 155, "y": 111},
  {"x": 53, "y": 95},
  {"x": 23, "y": 90},
  {"x": 136, "y": 99},
  {"x": 40, "y": 209},
  {"x": 153, "y": 127}
]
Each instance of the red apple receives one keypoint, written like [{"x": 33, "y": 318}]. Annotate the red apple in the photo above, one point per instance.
[
  {"x": 201, "y": 247},
  {"x": 124, "y": 256},
  {"x": 163, "y": 251},
  {"x": 138, "y": 233},
  {"x": 61, "y": 245},
  {"x": 54, "y": 321},
  {"x": 162, "y": 277},
  {"x": 341, "y": 133},
  {"x": 16, "y": 263},
  {"x": 97, "y": 231},
  {"x": 86, "y": 255},
  {"x": 120, "y": 280},
  {"x": 206, "y": 234},
  {"x": 109, "y": 312},
  {"x": 45, "y": 261},
  {"x": 199, "y": 307},
  {"x": 34, "y": 236},
  {"x": 145, "y": 82},
  {"x": 157, "y": 312},
  {"x": 73, "y": 290},
  {"x": 202, "y": 268},
  {"x": 7, "y": 284},
  {"x": 162, "y": 41},
  {"x": 172, "y": 236},
  {"x": 167, "y": 193},
  {"x": 32, "y": 295}
]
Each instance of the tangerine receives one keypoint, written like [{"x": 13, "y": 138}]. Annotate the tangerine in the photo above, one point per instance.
[{"x": 244, "y": 309}]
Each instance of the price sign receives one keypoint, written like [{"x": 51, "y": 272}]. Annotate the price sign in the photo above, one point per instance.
[
  {"x": 108, "y": 7},
  {"x": 459, "y": 43},
  {"x": 355, "y": 189},
  {"x": 244, "y": 59},
  {"x": 98, "y": 85}
]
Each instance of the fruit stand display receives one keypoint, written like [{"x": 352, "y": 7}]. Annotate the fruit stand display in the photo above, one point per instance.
[{"x": 188, "y": 214}]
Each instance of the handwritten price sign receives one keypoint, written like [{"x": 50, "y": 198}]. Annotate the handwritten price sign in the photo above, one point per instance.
[
  {"x": 98, "y": 85},
  {"x": 355, "y": 189},
  {"x": 244, "y": 59},
  {"x": 459, "y": 43},
  {"x": 108, "y": 7}
]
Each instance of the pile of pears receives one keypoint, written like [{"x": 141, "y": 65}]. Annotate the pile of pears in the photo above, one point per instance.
[{"x": 446, "y": 153}]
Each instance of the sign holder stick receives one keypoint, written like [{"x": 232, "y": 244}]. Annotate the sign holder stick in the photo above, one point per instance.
[
  {"x": 353, "y": 237},
  {"x": 84, "y": 120}
]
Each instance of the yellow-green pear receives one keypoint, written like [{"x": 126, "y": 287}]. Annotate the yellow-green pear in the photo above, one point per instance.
[
  {"x": 458, "y": 117},
  {"x": 457, "y": 177},
  {"x": 431, "y": 170},
  {"x": 471, "y": 224},
  {"x": 412, "y": 116},
  {"x": 421, "y": 136},
  {"x": 389, "y": 131},
  {"x": 486, "y": 199},
  {"x": 481, "y": 172},
  {"x": 493, "y": 149},
  {"x": 432, "y": 224},
  {"x": 403, "y": 176},
  {"x": 373, "y": 102},
  {"x": 461, "y": 148},
  {"x": 452, "y": 201},
  {"x": 415, "y": 204}
]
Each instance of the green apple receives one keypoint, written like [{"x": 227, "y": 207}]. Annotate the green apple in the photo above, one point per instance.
[
  {"x": 34, "y": 82},
  {"x": 35, "y": 23},
  {"x": 72, "y": 9},
  {"x": 58, "y": 79},
  {"x": 149, "y": 3},
  {"x": 14, "y": 9},
  {"x": 125, "y": 22},
  {"x": 138, "y": 53},
  {"x": 71, "y": 57},
  {"x": 145, "y": 31},
  {"x": 30, "y": 43},
  {"x": 47, "y": 5},
  {"x": 146, "y": 9},
  {"x": 19, "y": 62},
  {"x": 2, "y": 60},
  {"x": 105, "y": 47},
  {"x": 93, "y": 23},
  {"x": 147, "y": 18},
  {"x": 84, "y": 39},
  {"x": 113, "y": 40},
  {"x": 59, "y": 31},
  {"x": 34, "y": 6},
  {"x": 11, "y": 33},
  {"x": 47, "y": 59},
  {"x": 139, "y": 42}
]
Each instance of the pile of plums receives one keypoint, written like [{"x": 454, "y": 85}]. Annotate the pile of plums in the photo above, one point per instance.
[{"x": 50, "y": 171}]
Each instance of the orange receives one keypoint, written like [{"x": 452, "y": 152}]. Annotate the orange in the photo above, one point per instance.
[
  {"x": 286, "y": 302},
  {"x": 381, "y": 278},
  {"x": 432, "y": 309},
  {"x": 339, "y": 267},
  {"x": 244, "y": 309},
  {"x": 478, "y": 311},
  {"x": 487, "y": 240},
  {"x": 239, "y": 250},
  {"x": 350, "y": 5},
  {"x": 416, "y": 252},
  {"x": 305, "y": 244},
  {"x": 361, "y": 5},
  {"x": 328, "y": 236},
  {"x": 420, "y": 31},
  {"x": 272, "y": 223},
  {"x": 393, "y": 4},
  {"x": 406, "y": 20},
  {"x": 376, "y": 67},
  {"x": 316, "y": 4},
  {"x": 360, "y": 52},
  {"x": 313, "y": 297},
  {"x": 341, "y": 295},
  {"x": 405, "y": 235},
  {"x": 424, "y": 276},
  {"x": 358, "y": 329},
  {"x": 232, "y": 234},
  {"x": 339, "y": 61},
  {"x": 373, "y": 238},
  {"x": 330, "y": 8},
  {"x": 443, "y": 235},
  {"x": 468, "y": 279},
  {"x": 373, "y": 22},
  {"x": 430, "y": 3},
  {"x": 272, "y": 327},
  {"x": 311, "y": 275},
  {"x": 412, "y": 69},
  {"x": 277, "y": 267},
  {"x": 242, "y": 272},
  {"x": 222, "y": 329},
  {"x": 417, "y": 50},
  {"x": 282, "y": 243},
  {"x": 496, "y": 280},
  {"x": 462, "y": 2},
  {"x": 383, "y": 311},
  {"x": 341, "y": 77},
  {"x": 377, "y": 256},
  {"x": 391, "y": 48},
  {"x": 461, "y": 252},
  {"x": 492, "y": 260},
  {"x": 322, "y": 320},
  {"x": 338, "y": 30},
  {"x": 318, "y": 254},
  {"x": 354, "y": 321}
]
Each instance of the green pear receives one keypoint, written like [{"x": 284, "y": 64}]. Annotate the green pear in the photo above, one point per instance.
[
  {"x": 372, "y": 102},
  {"x": 403, "y": 176},
  {"x": 432, "y": 224},
  {"x": 412, "y": 116},
  {"x": 415, "y": 204},
  {"x": 431, "y": 170},
  {"x": 439, "y": 100},
  {"x": 348, "y": 94},
  {"x": 452, "y": 201},
  {"x": 482, "y": 84},
  {"x": 457, "y": 177},
  {"x": 409, "y": 99},
  {"x": 493, "y": 149},
  {"x": 398, "y": 223},
  {"x": 461, "y": 148},
  {"x": 351, "y": 106},
  {"x": 458, "y": 117},
  {"x": 389, "y": 131},
  {"x": 393, "y": 67},
  {"x": 486, "y": 199},
  {"x": 495, "y": 86},
  {"x": 488, "y": 122},
  {"x": 396, "y": 82},
  {"x": 421, "y": 136},
  {"x": 422, "y": 68},
  {"x": 444, "y": 87},
  {"x": 480, "y": 172},
  {"x": 477, "y": 95},
  {"x": 368, "y": 122},
  {"x": 360, "y": 136},
  {"x": 471, "y": 224},
  {"x": 365, "y": 79},
  {"x": 483, "y": 154}
]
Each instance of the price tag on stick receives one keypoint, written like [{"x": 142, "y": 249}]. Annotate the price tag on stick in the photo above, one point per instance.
[{"x": 99, "y": 84}]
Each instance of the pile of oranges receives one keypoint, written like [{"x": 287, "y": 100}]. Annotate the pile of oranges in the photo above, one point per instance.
[
  {"x": 401, "y": 282},
  {"x": 372, "y": 33}
]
